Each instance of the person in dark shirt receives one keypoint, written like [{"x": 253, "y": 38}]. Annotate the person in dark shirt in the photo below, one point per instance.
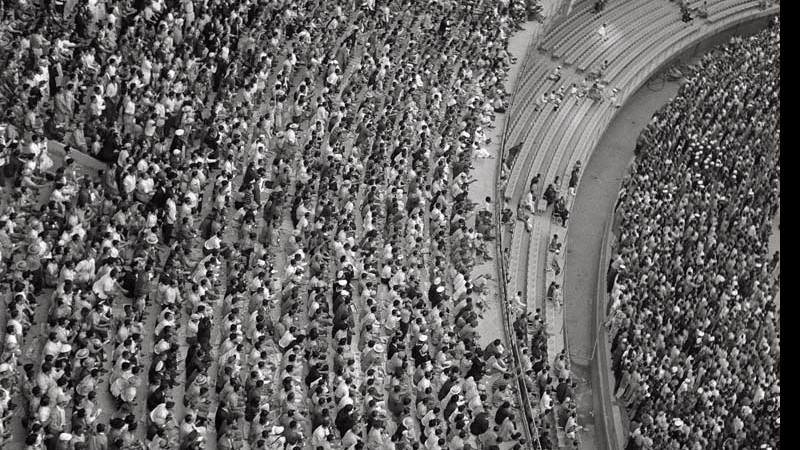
[
  {"x": 564, "y": 390},
  {"x": 345, "y": 420},
  {"x": 480, "y": 424},
  {"x": 476, "y": 371},
  {"x": 502, "y": 413}
]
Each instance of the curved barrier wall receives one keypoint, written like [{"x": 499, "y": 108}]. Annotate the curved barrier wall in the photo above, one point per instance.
[
  {"x": 693, "y": 44},
  {"x": 600, "y": 365},
  {"x": 529, "y": 423}
]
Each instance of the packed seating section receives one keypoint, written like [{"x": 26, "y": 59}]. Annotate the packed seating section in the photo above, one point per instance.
[
  {"x": 278, "y": 255},
  {"x": 694, "y": 324}
]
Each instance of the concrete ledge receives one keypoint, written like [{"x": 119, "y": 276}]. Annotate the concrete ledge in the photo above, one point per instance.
[
  {"x": 609, "y": 416},
  {"x": 637, "y": 71},
  {"x": 611, "y": 426}
]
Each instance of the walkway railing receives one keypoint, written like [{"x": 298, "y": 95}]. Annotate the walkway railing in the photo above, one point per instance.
[
  {"x": 600, "y": 367},
  {"x": 525, "y": 398},
  {"x": 529, "y": 420}
]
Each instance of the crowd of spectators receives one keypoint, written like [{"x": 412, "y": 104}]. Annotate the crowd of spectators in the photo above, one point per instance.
[
  {"x": 278, "y": 254},
  {"x": 694, "y": 324}
]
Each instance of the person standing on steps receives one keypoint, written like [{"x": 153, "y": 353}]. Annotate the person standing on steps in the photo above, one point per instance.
[
  {"x": 517, "y": 305},
  {"x": 550, "y": 195},
  {"x": 776, "y": 259},
  {"x": 556, "y": 75},
  {"x": 534, "y": 186},
  {"x": 603, "y": 32}
]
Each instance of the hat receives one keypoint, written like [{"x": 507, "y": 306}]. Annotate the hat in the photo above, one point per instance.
[
  {"x": 277, "y": 429},
  {"x": 423, "y": 338},
  {"x": 36, "y": 248},
  {"x": 201, "y": 380},
  {"x": 440, "y": 289},
  {"x": 294, "y": 126},
  {"x": 179, "y": 132},
  {"x": 378, "y": 348},
  {"x": 21, "y": 265},
  {"x": 64, "y": 437},
  {"x": 82, "y": 353},
  {"x": 151, "y": 239},
  {"x": 342, "y": 282},
  {"x": 161, "y": 347}
]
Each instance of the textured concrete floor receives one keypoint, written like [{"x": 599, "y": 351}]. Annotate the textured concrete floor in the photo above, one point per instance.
[
  {"x": 597, "y": 194},
  {"x": 594, "y": 202},
  {"x": 490, "y": 326}
]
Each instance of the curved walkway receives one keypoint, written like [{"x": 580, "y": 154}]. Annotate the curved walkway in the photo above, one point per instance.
[
  {"x": 592, "y": 209},
  {"x": 552, "y": 138},
  {"x": 593, "y": 205}
]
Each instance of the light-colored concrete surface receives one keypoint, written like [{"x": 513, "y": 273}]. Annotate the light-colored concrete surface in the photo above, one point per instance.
[
  {"x": 775, "y": 245},
  {"x": 593, "y": 205},
  {"x": 490, "y": 326},
  {"x": 543, "y": 154},
  {"x": 594, "y": 202}
]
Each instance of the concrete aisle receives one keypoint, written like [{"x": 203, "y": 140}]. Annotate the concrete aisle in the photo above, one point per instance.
[
  {"x": 594, "y": 202},
  {"x": 774, "y": 245},
  {"x": 490, "y": 325}
]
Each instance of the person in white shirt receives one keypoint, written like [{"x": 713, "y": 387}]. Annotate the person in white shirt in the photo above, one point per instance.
[
  {"x": 107, "y": 285},
  {"x": 287, "y": 338},
  {"x": 144, "y": 188},
  {"x": 161, "y": 414},
  {"x": 170, "y": 217},
  {"x": 518, "y": 306},
  {"x": 212, "y": 243},
  {"x": 129, "y": 184}
]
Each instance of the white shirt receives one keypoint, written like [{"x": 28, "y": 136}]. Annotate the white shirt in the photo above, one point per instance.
[
  {"x": 146, "y": 185},
  {"x": 172, "y": 211},
  {"x": 103, "y": 286},
  {"x": 159, "y": 415},
  {"x": 286, "y": 339}
]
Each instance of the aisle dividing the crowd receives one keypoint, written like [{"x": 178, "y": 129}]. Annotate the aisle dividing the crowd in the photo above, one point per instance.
[
  {"x": 775, "y": 246},
  {"x": 593, "y": 204},
  {"x": 483, "y": 174}
]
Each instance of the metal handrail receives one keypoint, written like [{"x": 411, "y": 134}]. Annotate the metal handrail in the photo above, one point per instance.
[
  {"x": 531, "y": 430},
  {"x": 530, "y": 425}
]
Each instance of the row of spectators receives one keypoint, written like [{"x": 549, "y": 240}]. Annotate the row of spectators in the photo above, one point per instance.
[
  {"x": 694, "y": 321},
  {"x": 279, "y": 252}
]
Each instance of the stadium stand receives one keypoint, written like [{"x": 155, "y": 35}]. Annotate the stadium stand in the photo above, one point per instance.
[
  {"x": 558, "y": 133},
  {"x": 278, "y": 252},
  {"x": 694, "y": 324}
]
